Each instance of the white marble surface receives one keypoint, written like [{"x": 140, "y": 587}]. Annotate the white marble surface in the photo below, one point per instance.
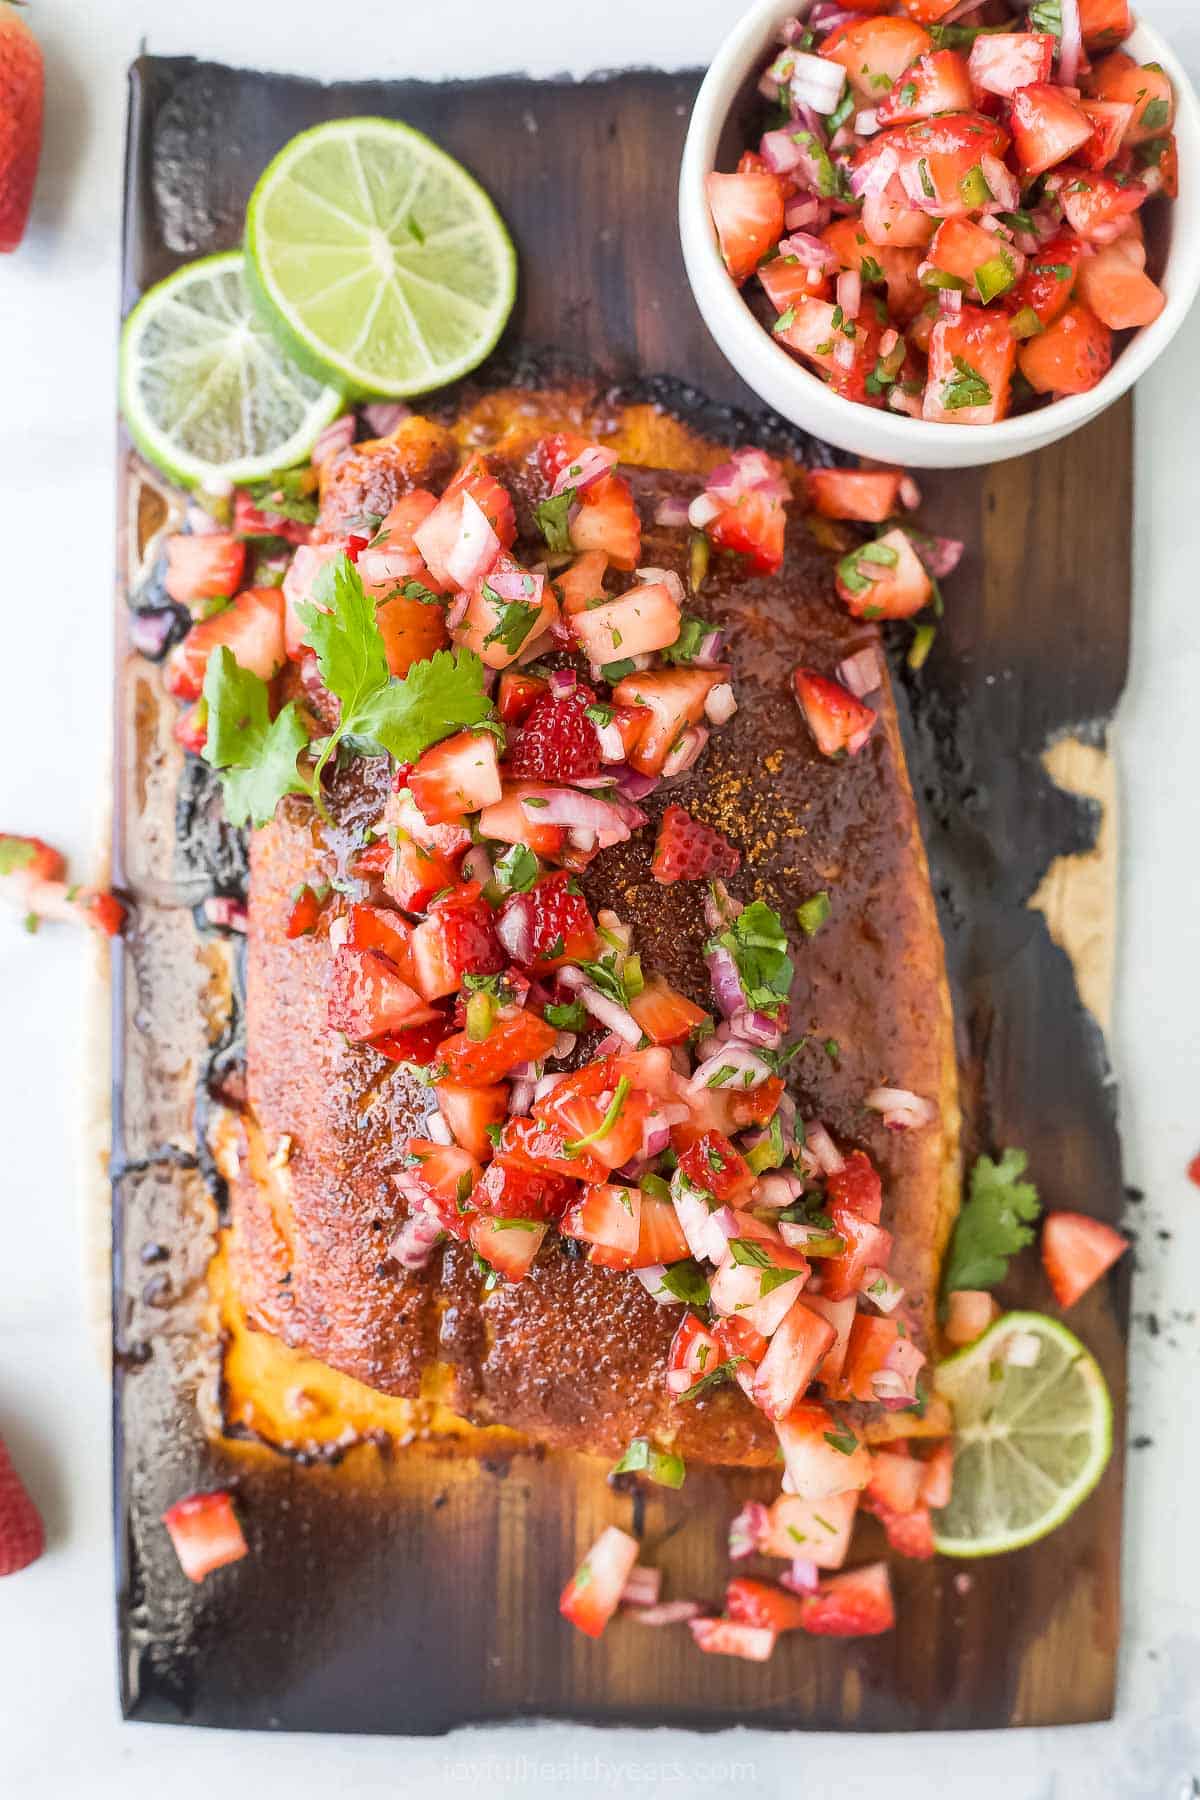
[{"x": 61, "y": 1736}]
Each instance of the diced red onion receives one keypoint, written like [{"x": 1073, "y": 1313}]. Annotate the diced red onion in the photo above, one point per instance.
[
  {"x": 230, "y": 914},
  {"x": 666, "y": 578},
  {"x": 612, "y": 745},
  {"x": 601, "y": 1007},
  {"x": 584, "y": 470},
  {"x": 901, "y": 402},
  {"x": 940, "y": 555},
  {"x": 149, "y": 631},
  {"x": 720, "y": 704},
  {"x": 200, "y": 522},
  {"x": 333, "y": 440},
  {"x": 668, "y": 1612},
  {"x": 888, "y": 1386},
  {"x": 514, "y": 928},
  {"x": 477, "y": 865},
  {"x": 780, "y": 151},
  {"x": 520, "y": 1099},
  {"x": 643, "y": 1585},
  {"x": 726, "y": 982},
  {"x": 750, "y": 1071},
  {"x": 879, "y": 1288},
  {"x": 866, "y": 123},
  {"x": 414, "y": 1241},
  {"x": 1070, "y": 43},
  {"x": 800, "y": 213},
  {"x": 456, "y": 612},
  {"x": 571, "y": 806},
  {"x": 475, "y": 551},
  {"x": 849, "y": 292},
  {"x": 949, "y": 302},
  {"x": 720, "y": 908},
  {"x": 686, "y": 752},
  {"x": 563, "y": 683},
  {"x": 873, "y": 176},
  {"x": 888, "y": 341},
  {"x": 672, "y": 511},
  {"x": 810, "y": 251},
  {"x": 547, "y": 1084},
  {"x": 1006, "y": 189},
  {"x": 564, "y": 1044},
  {"x": 748, "y": 1530},
  {"x": 861, "y": 673},
  {"x": 517, "y": 584},
  {"x": 816, "y": 82},
  {"x": 339, "y": 931},
  {"x": 609, "y": 1045},
  {"x": 803, "y": 1577},
  {"x": 652, "y": 1280},
  {"x": 830, "y": 1160},
  {"x": 437, "y": 1129},
  {"x": 778, "y": 1190},
  {"x": 748, "y": 471},
  {"x": 901, "y": 1110},
  {"x": 910, "y": 493},
  {"x": 383, "y": 416},
  {"x": 844, "y": 353},
  {"x": 703, "y": 510},
  {"x": 758, "y": 1028}
]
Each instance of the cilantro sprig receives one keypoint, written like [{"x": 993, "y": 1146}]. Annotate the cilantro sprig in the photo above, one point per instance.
[
  {"x": 254, "y": 754},
  {"x": 994, "y": 1223}
]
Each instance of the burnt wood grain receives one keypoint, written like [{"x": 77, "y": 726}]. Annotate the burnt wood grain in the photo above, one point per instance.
[{"x": 408, "y": 1593}]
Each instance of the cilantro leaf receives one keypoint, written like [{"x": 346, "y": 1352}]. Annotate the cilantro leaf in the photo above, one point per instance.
[
  {"x": 966, "y": 387},
  {"x": 758, "y": 945},
  {"x": 346, "y": 636},
  {"x": 288, "y": 495},
  {"x": 254, "y": 755},
  {"x": 692, "y": 633},
  {"x": 515, "y": 619},
  {"x": 437, "y": 697},
  {"x": 993, "y": 1224},
  {"x": 553, "y": 521}
]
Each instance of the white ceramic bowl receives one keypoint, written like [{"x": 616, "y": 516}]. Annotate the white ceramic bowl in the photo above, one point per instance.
[{"x": 787, "y": 386}]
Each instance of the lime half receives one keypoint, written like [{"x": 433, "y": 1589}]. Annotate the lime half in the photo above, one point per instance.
[
  {"x": 382, "y": 264},
  {"x": 1033, "y": 1432},
  {"x": 206, "y": 391}
]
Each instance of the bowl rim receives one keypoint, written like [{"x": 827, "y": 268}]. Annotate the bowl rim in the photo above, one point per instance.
[{"x": 773, "y": 371}]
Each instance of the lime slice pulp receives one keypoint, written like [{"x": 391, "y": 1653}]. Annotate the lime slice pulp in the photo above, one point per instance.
[
  {"x": 206, "y": 391},
  {"x": 1033, "y": 1432},
  {"x": 382, "y": 264}
]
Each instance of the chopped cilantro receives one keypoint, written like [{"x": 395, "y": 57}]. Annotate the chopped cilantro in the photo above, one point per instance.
[
  {"x": 644, "y": 1458},
  {"x": 758, "y": 945},
  {"x": 553, "y": 521},
  {"x": 993, "y": 1224},
  {"x": 813, "y": 913},
  {"x": 966, "y": 387},
  {"x": 714, "y": 1378}
]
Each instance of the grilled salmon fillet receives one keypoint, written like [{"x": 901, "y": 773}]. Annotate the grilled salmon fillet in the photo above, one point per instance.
[{"x": 574, "y": 1355}]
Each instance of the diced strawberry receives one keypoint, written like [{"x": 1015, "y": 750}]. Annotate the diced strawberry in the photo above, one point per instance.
[
  {"x": 747, "y": 211},
  {"x": 490, "y": 495},
  {"x": 761, "y": 1603},
  {"x": 501, "y": 626},
  {"x": 368, "y": 998},
  {"x": 939, "y": 158},
  {"x": 686, "y": 849},
  {"x": 871, "y": 495},
  {"x": 666, "y": 1016},
  {"x": 205, "y": 1532},
  {"x": 1121, "y": 296},
  {"x": 1047, "y": 126},
  {"x": 756, "y": 1106},
  {"x": 1008, "y": 60},
  {"x": 306, "y": 911},
  {"x": 517, "y": 1036},
  {"x": 509, "y": 822},
  {"x": 725, "y": 1637},
  {"x": 971, "y": 358},
  {"x": 868, "y": 1246},
  {"x": 969, "y": 1312},
  {"x": 848, "y": 240},
  {"x": 412, "y": 631},
  {"x": 31, "y": 858},
  {"x": 606, "y": 1214},
  {"x": 694, "y": 1353},
  {"x": 252, "y": 627},
  {"x": 418, "y": 1044},
  {"x": 1046, "y": 285},
  {"x": 556, "y": 450},
  {"x": 250, "y": 521},
  {"x": 1076, "y": 1252},
  {"x": 204, "y": 566},
  {"x": 548, "y": 926},
  {"x": 371, "y": 861},
  {"x": 937, "y": 1477},
  {"x": 458, "y": 776},
  {"x": 612, "y": 1141},
  {"x": 984, "y": 262},
  {"x": 298, "y": 585},
  {"x": 457, "y": 939},
  {"x": 391, "y": 557},
  {"x": 1104, "y": 23},
  {"x": 886, "y": 579},
  {"x": 856, "y": 1185},
  {"x": 22, "y": 1533},
  {"x": 544, "y": 1146},
  {"x": 934, "y": 83},
  {"x": 510, "y": 1246},
  {"x": 895, "y": 1481},
  {"x": 642, "y": 621},
  {"x": 510, "y": 1189},
  {"x": 592, "y": 1595},
  {"x": 817, "y": 1530},
  {"x": 737, "y": 1337},
  {"x": 1095, "y": 205},
  {"x": 878, "y": 1346},
  {"x": 875, "y": 53},
  {"x": 608, "y": 521},
  {"x": 581, "y": 582},
  {"x": 812, "y": 331},
  {"x": 745, "y": 1289},
  {"x": 715, "y": 1167},
  {"x": 1146, "y": 88},
  {"x": 787, "y": 281},
  {"x": 190, "y": 729},
  {"x": 908, "y": 1533},
  {"x": 557, "y": 742},
  {"x": 660, "y": 1238},
  {"x": 442, "y": 1176},
  {"x": 837, "y": 720},
  {"x": 1070, "y": 356},
  {"x": 857, "y": 1603},
  {"x": 754, "y": 526},
  {"x": 821, "y": 1455},
  {"x": 796, "y": 1351},
  {"x": 380, "y": 928},
  {"x": 1110, "y": 120},
  {"x": 517, "y": 695},
  {"x": 415, "y": 874},
  {"x": 468, "y": 1111},
  {"x": 671, "y": 699}
]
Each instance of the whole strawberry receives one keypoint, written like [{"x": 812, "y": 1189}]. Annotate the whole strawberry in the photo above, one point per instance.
[
  {"x": 21, "y": 88},
  {"x": 22, "y": 1535}
]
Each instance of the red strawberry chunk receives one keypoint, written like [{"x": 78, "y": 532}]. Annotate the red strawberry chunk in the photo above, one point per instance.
[
  {"x": 908, "y": 1533},
  {"x": 517, "y": 694},
  {"x": 857, "y": 1186},
  {"x": 416, "y": 1044},
  {"x": 557, "y": 742},
  {"x": 22, "y": 1535},
  {"x": 725, "y": 1637},
  {"x": 456, "y": 777},
  {"x": 510, "y": 1189},
  {"x": 457, "y": 939},
  {"x": 608, "y": 520},
  {"x": 592, "y": 1595},
  {"x": 1076, "y": 1252},
  {"x": 204, "y": 566},
  {"x": 252, "y": 628},
  {"x": 509, "y": 1246},
  {"x": 549, "y": 926},
  {"x": 688, "y": 850},
  {"x": 837, "y": 720},
  {"x": 666, "y": 1016},
  {"x": 763, "y": 1604},
  {"x": 441, "y": 1177},
  {"x": 714, "y": 1166},
  {"x": 368, "y": 998},
  {"x": 469, "y": 1111},
  {"x": 855, "y": 1604},
  {"x": 205, "y": 1532},
  {"x": 250, "y": 521},
  {"x": 516, "y": 1037},
  {"x": 544, "y": 1146}
]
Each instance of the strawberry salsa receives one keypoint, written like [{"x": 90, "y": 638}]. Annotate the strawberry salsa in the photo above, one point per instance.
[
  {"x": 575, "y": 1098},
  {"x": 945, "y": 213}
]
